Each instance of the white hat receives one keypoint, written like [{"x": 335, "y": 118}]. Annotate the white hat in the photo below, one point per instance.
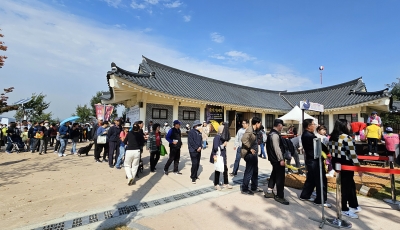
[
  {"x": 374, "y": 122},
  {"x": 127, "y": 125}
]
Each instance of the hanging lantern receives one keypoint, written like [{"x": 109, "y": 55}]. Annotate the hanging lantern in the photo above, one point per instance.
[{"x": 321, "y": 67}]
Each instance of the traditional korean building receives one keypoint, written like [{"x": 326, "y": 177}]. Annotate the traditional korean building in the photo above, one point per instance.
[{"x": 162, "y": 93}]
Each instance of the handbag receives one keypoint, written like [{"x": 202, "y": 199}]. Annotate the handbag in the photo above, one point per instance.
[
  {"x": 101, "y": 139},
  {"x": 163, "y": 151},
  {"x": 219, "y": 163}
]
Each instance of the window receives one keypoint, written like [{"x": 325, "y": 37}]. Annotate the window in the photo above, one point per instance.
[
  {"x": 320, "y": 118},
  {"x": 349, "y": 117},
  {"x": 159, "y": 114},
  {"x": 189, "y": 115},
  {"x": 269, "y": 121}
]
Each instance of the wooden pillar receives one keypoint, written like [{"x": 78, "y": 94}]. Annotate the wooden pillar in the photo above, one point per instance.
[{"x": 175, "y": 111}]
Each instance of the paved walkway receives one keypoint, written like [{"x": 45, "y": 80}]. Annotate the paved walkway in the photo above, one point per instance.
[{"x": 38, "y": 191}]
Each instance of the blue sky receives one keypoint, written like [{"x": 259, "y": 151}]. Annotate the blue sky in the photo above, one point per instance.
[{"x": 64, "y": 48}]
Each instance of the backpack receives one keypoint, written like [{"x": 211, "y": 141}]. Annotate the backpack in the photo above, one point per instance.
[
  {"x": 289, "y": 148},
  {"x": 264, "y": 136}
]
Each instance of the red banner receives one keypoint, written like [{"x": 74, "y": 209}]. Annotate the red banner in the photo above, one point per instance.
[
  {"x": 366, "y": 169},
  {"x": 109, "y": 110},
  {"x": 99, "y": 111}
]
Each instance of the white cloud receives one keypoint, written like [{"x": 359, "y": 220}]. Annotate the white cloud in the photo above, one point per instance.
[
  {"x": 113, "y": 3},
  {"x": 216, "y": 37},
  {"x": 53, "y": 52},
  {"x": 136, "y": 5},
  {"x": 239, "y": 56},
  {"x": 218, "y": 56},
  {"x": 187, "y": 18},
  {"x": 173, "y": 4},
  {"x": 153, "y": 2}
]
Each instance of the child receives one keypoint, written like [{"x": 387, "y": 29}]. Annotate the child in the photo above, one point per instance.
[{"x": 24, "y": 136}]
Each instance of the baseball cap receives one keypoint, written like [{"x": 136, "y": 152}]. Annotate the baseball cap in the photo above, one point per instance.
[
  {"x": 389, "y": 129},
  {"x": 374, "y": 112},
  {"x": 177, "y": 122}
]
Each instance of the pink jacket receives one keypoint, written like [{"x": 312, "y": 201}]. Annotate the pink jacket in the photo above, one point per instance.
[{"x": 391, "y": 141}]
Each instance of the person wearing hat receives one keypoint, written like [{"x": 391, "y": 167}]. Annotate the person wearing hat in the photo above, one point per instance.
[
  {"x": 373, "y": 133},
  {"x": 175, "y": 144},
  {"x": 122, "y": 137},
  {"x": 64, "y": 134},
  {"x": 391, "y": 141},
  {"x": 374, "y": 116},
  {"x": 195, "y": 142},
  {"x": 114, "y": 141},
  {"x": 166, "y": 128}
]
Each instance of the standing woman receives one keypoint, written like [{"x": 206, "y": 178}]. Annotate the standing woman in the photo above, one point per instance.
[
  {"x": 342, "y": 148},
  {"x": 102, "y": 131},
  {"x": 154, "y": 146},
  {"x": 220, "y": 143},
  {"x": 134, "y": 141},
  {"x": 205, "y": 132},
  {"x": 122, "y": 136}
]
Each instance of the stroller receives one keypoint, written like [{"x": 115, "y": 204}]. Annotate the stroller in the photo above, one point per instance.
[
  {"x": 17, "y": 145},
  {"x": 85, "y": 149}
]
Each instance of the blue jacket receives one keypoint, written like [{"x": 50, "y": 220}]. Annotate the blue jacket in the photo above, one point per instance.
[
  {"x": 63, "y": 130},
  {"x": 100, "y": 132},
  {"x": 195, "y": 140}
]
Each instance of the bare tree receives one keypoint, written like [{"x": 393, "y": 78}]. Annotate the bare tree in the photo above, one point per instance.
[{"x": 3, "y": 48}]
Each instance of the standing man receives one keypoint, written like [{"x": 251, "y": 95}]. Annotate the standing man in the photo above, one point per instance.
[
  {"x": 195, "y": 145},
  {"x": 175, "y": 144},
  {"x": 238, "y": 146},
  {"x": 313, "y": 175},
  {"x": 150, "y": 127},
  {"x": 64, "y": 135},
  {"x": 275, "y": 150},
  {"x": 94, "y": 134},
  {"x": 249, "y": 154},
  {"x": 114, "y": 141}
]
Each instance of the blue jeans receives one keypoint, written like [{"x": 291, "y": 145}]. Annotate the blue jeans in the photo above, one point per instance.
[
  {"x": 31, "y": 142},
  {"x": 121, "y": 154},
  {"x": 63, "y": 145},
  {"x": 262, "y": 150},
  {"x": 73, "y": 148},
  {"x": 204, "y": 144},
  {"x": 237, "y": 161}
]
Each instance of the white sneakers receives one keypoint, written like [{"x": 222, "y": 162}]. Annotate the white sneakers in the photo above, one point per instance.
[
  {"x": 326, "y": 205},
  {"x": 350, "y": 214},
  {"x": 375, "y": 154},
  {"x": 355, "y": 210}
]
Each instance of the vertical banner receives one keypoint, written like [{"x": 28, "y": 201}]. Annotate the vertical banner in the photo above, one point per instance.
[
  {"x": 133, "y": 114},
  {"x": 99, "y": 111},
  {"x": 108, "y": 112}
]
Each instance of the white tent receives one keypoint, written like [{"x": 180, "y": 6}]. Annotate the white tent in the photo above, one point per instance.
[{"x": 296, "y": 115}]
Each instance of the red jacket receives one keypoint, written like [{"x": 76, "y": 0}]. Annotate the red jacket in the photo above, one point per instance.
[{"x": 358, "y": 126}]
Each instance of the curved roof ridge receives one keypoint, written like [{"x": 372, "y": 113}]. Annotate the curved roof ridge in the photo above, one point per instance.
[
  {"x": 209, "y": 79},
  {"x": 349, "y": 83},
  {"x": 380, "y": 92},
  {"x": 123, "y": 71}
]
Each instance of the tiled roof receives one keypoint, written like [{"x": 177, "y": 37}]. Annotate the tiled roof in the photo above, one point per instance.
[
  {"x": 165, "y": 79},
  {"x": 179, "y": 83},
  {"x": 345, "y": 94}
]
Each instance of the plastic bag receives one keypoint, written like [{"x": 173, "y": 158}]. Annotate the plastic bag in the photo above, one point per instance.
[
  {"x": 219, "y": 162},
  {"x": 163, "y": 151}
]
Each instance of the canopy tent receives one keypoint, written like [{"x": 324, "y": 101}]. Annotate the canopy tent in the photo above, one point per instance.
[{"x": 296, "y": 115}]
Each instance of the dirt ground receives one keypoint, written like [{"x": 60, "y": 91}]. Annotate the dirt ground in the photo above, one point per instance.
[{"x": 35, "y": 188}]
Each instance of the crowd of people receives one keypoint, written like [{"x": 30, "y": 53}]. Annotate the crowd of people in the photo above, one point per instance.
[{"x": 123, "y": 143}]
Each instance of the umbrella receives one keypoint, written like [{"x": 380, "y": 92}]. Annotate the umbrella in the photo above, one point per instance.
[
  {"x": 215, "y": 124},
  {"x": 70, "y": 119}
]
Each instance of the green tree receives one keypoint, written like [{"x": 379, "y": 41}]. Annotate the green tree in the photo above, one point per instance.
[
  {"x": 394, "y": 88},
  {"x": 4, "y": 107},
  {"x": 3, "y": 48},
  {"x": 96, "y": 100},
  {"x": 84, "y": 112},
  {"x": 35, "y": 109}
]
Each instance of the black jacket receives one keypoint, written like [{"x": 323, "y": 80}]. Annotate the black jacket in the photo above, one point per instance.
[
  {"x": 195, "y": 140},
  {"x": 175, "y": 135},
  {"x": 113, "y": 133},
  {"x": 270, "y": 149},
  {"x": 307, "y": 139},
  {"x": 74, "y": 134}
]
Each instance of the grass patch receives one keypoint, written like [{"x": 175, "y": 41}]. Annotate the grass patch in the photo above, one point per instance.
[
  {"x": 385, "y": 192},
  {"x": 120, "y": 227}
]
